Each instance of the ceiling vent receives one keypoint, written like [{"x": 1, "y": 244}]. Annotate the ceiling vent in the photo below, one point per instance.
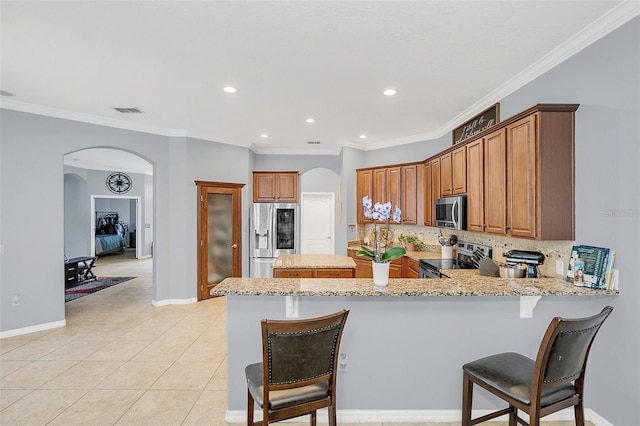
[
  {"x": 133, "y": 110},
  {"x": 313, "y": 142}
]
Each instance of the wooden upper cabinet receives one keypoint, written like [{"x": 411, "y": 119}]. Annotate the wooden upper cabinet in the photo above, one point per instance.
[
  {"x": 379, "y": 186},
  {"x": 410, "y": 194},
  {"x": 428, "y": 194},
  {"x": 495, "y": 181},
  {"x": 364, "y": 188},
  {"x": 453, "y": 172},
  {"x": 475, "y": 187},
  {"x": 270, "y": 187},
  {"x": 394, "y": 187},
  {"x": 435, "y": 179},
  {"x": 521, "y": 178}
]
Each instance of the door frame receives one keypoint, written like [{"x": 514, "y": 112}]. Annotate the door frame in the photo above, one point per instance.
[
  {"x": 330, "y": 196},
  {"x": 205, "y": 188}
]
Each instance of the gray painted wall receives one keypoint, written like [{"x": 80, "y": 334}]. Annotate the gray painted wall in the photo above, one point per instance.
[
  {"x": 603, "y": 78},
  {"x": 77, "y": 222}
]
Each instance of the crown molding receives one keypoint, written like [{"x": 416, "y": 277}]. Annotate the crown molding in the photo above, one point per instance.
[{"x": 296, "y": 151}]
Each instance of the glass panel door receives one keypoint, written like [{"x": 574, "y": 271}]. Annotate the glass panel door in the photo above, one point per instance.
[
  {"x": 219, "y": 238},
  {"x": 285, "y": 228}
]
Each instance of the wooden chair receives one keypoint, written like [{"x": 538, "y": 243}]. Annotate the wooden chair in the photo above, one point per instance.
[
  {"x": 297, "y": 375},
  {"x": 554, "y": 381}
]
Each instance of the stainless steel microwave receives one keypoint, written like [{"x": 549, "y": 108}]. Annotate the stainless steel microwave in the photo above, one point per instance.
[{"x": 451, "y": 212}]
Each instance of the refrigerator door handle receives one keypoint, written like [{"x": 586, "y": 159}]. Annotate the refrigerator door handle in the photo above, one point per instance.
[{"x": 272, "y": 221}]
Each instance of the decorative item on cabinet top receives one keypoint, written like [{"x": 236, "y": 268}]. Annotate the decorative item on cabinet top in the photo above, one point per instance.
[{"x": 481, "y": 122}]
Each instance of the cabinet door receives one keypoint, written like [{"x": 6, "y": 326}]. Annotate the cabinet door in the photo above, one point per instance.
[
  {"x": 435, "y": 179},
  {"x": 428, "y": 197},
  {"x": 521, "y": 178},
  {"x": 395, "y": 268},
  {"x": 364, "y": 188},
  {"x": 409, "y": 194},
  {"x": 410, "y": 268},
  {"x": 446, "y": 166},
  {"x": 286, "y": 187},
  {"x": 379, "y": 186},
  {"x": 475, "y": 187},
  {"x": 335, "y": 273},
  {"x": 495, "y": 179},
  {"x": 363, "y": 265},
  {"x": 394, "y": 187},
  {"x": 459, "y": 171},
  {"x": 264, "y": 187},
  {"x": 292, "y": 273}
]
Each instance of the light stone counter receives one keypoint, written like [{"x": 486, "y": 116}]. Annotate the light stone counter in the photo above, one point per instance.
[
  {"x": 461, "y": 283},
  {"x": 304, "y": 261}
]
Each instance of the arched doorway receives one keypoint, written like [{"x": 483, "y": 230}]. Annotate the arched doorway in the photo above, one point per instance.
[{"x": 91, "y": 192}]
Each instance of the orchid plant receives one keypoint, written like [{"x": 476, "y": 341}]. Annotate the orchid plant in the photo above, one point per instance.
[{"x": 381, "y": 212}]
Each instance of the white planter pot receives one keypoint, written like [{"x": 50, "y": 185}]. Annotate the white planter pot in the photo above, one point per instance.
[{"x": 380, "y": 273}]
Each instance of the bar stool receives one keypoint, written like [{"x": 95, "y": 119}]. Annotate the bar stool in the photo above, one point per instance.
[
  {"x": 554, "y": 381},
  {"x": 297, "y": 375}
]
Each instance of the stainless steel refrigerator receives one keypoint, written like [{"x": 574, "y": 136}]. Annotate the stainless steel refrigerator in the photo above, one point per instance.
[{"x": 273, "y": 232}]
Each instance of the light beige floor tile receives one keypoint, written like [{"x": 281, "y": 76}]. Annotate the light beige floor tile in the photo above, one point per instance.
[
  {"x": 119, "y": 350},
  {"x": 39, "y": 407},
  {"x": 160, "y": 407},
  {"x": 163, "y": 350},
  {"x": 7, "y": 345},
  {"x": 9, "y": 396},
  {"x": 98, "y": 407},
  {"x": 204, "y": 351},
  {"x": 83, "y": 375},
  {"x": 8, "y": 367},
  {"x": 77, "y": 349},
  {"x": 35, "y": 374},
  {"x": 186, "y": 376},
  {"x": 33, "y": 350},
  {"x": 210, "y": 409},
  {"x": 135, "y": 375}
]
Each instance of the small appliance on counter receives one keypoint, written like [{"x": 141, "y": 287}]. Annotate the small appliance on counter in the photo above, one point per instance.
[
  {"x": 465, "y": 259},
  {"x": 532, "y": 259}
]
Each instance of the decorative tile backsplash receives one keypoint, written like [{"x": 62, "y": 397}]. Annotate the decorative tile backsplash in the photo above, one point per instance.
[{"x": 553, "y": 250}]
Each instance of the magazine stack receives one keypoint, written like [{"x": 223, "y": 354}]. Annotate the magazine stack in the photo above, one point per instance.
[{"x": 592, "y": 267}]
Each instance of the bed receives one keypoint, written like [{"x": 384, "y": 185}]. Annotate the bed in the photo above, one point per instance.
[{"x": 110, "y": 233}]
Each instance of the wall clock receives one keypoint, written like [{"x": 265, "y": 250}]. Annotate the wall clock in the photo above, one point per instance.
[{"x": 119, "y": 182}]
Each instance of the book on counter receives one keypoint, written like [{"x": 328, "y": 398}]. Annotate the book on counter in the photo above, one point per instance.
[{"x": 591, "y": 267}]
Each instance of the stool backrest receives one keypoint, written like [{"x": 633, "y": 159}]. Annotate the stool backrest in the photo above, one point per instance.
[
  {"x": 563, "y": 354},
  {"x": 301, "y": 352}
]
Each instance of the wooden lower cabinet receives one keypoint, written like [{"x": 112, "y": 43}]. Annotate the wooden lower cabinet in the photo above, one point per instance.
[
  {"x": 365, "y": 270},
  {"x": 313, "y": 273},
  {"x": 410, "y": 268}
]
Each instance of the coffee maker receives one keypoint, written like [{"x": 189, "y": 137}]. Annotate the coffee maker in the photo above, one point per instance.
[{"x": 532, "y": 259}]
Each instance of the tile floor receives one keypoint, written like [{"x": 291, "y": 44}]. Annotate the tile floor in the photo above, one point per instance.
[{"x": 120, "y": 361}]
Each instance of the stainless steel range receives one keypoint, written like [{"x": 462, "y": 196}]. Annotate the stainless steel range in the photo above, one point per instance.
[{"x": 465, "y": 256}]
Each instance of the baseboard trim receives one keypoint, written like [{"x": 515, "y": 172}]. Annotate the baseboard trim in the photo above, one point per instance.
[
  {"x": 407, "y": 416},
  {"x": 166, "y": 302},
  {"x": 32, "y": 329}
]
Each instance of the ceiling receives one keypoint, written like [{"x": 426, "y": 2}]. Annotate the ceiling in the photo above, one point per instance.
[{"x": 289, "y": 61}]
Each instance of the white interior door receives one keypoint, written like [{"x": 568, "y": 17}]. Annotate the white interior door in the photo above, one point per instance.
[{"x": 317, "y": 223}]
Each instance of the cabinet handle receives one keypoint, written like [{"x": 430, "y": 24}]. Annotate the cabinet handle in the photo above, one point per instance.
[{"x": 508, "y": 228}]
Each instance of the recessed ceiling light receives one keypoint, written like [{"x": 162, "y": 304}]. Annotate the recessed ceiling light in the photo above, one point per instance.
[
  {"x": 310, "y": 120},
  {"x": 363, "y": 136},
  {"x": 230, "y": 89},
  {"x": 264, "y": 135},
  {"x": 390, "y": 92}
]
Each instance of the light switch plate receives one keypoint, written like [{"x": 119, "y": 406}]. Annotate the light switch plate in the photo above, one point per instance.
[{"x": 559, "y": 267}]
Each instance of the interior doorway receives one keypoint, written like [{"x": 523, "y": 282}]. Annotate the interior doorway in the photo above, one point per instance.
[
  {"x": 219, "y": 234},
  {"x": 128, "y": 218},
  {"x": 317, "y": 227}
]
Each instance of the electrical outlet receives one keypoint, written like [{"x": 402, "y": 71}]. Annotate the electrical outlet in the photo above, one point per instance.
[
  {"x": 559, "y": 267},
  {"x": 343, "y": 362}
]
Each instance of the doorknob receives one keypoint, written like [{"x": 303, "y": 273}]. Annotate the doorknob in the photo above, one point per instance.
[
  {"x": 329, "y": 237},
  {"x": 234, "y": 246}
]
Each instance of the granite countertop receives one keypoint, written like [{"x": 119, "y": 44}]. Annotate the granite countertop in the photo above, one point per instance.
[
  {"x": 303, "y": 261},
  {"x": 461, "y": 283}
]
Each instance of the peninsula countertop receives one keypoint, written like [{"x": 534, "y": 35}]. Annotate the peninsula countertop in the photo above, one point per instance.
[
  {"x": 314, "y": 261},
  {"x": 461, "y": 283}
]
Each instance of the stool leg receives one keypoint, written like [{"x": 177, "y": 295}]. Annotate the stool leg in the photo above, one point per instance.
[
  {"x": 513, "y": 415},
  {"x": 579, "y": 413},
  {"x": 467, "y": 399},
  {"x": 313, "y": 418},
  {"x": 250, "y": 404}
]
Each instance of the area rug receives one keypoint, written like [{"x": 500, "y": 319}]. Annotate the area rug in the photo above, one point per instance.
[{"x": 92, "y": 286}]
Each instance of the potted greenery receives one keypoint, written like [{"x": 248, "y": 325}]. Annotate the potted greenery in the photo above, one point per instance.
[{"x": 411, "y": 242}]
